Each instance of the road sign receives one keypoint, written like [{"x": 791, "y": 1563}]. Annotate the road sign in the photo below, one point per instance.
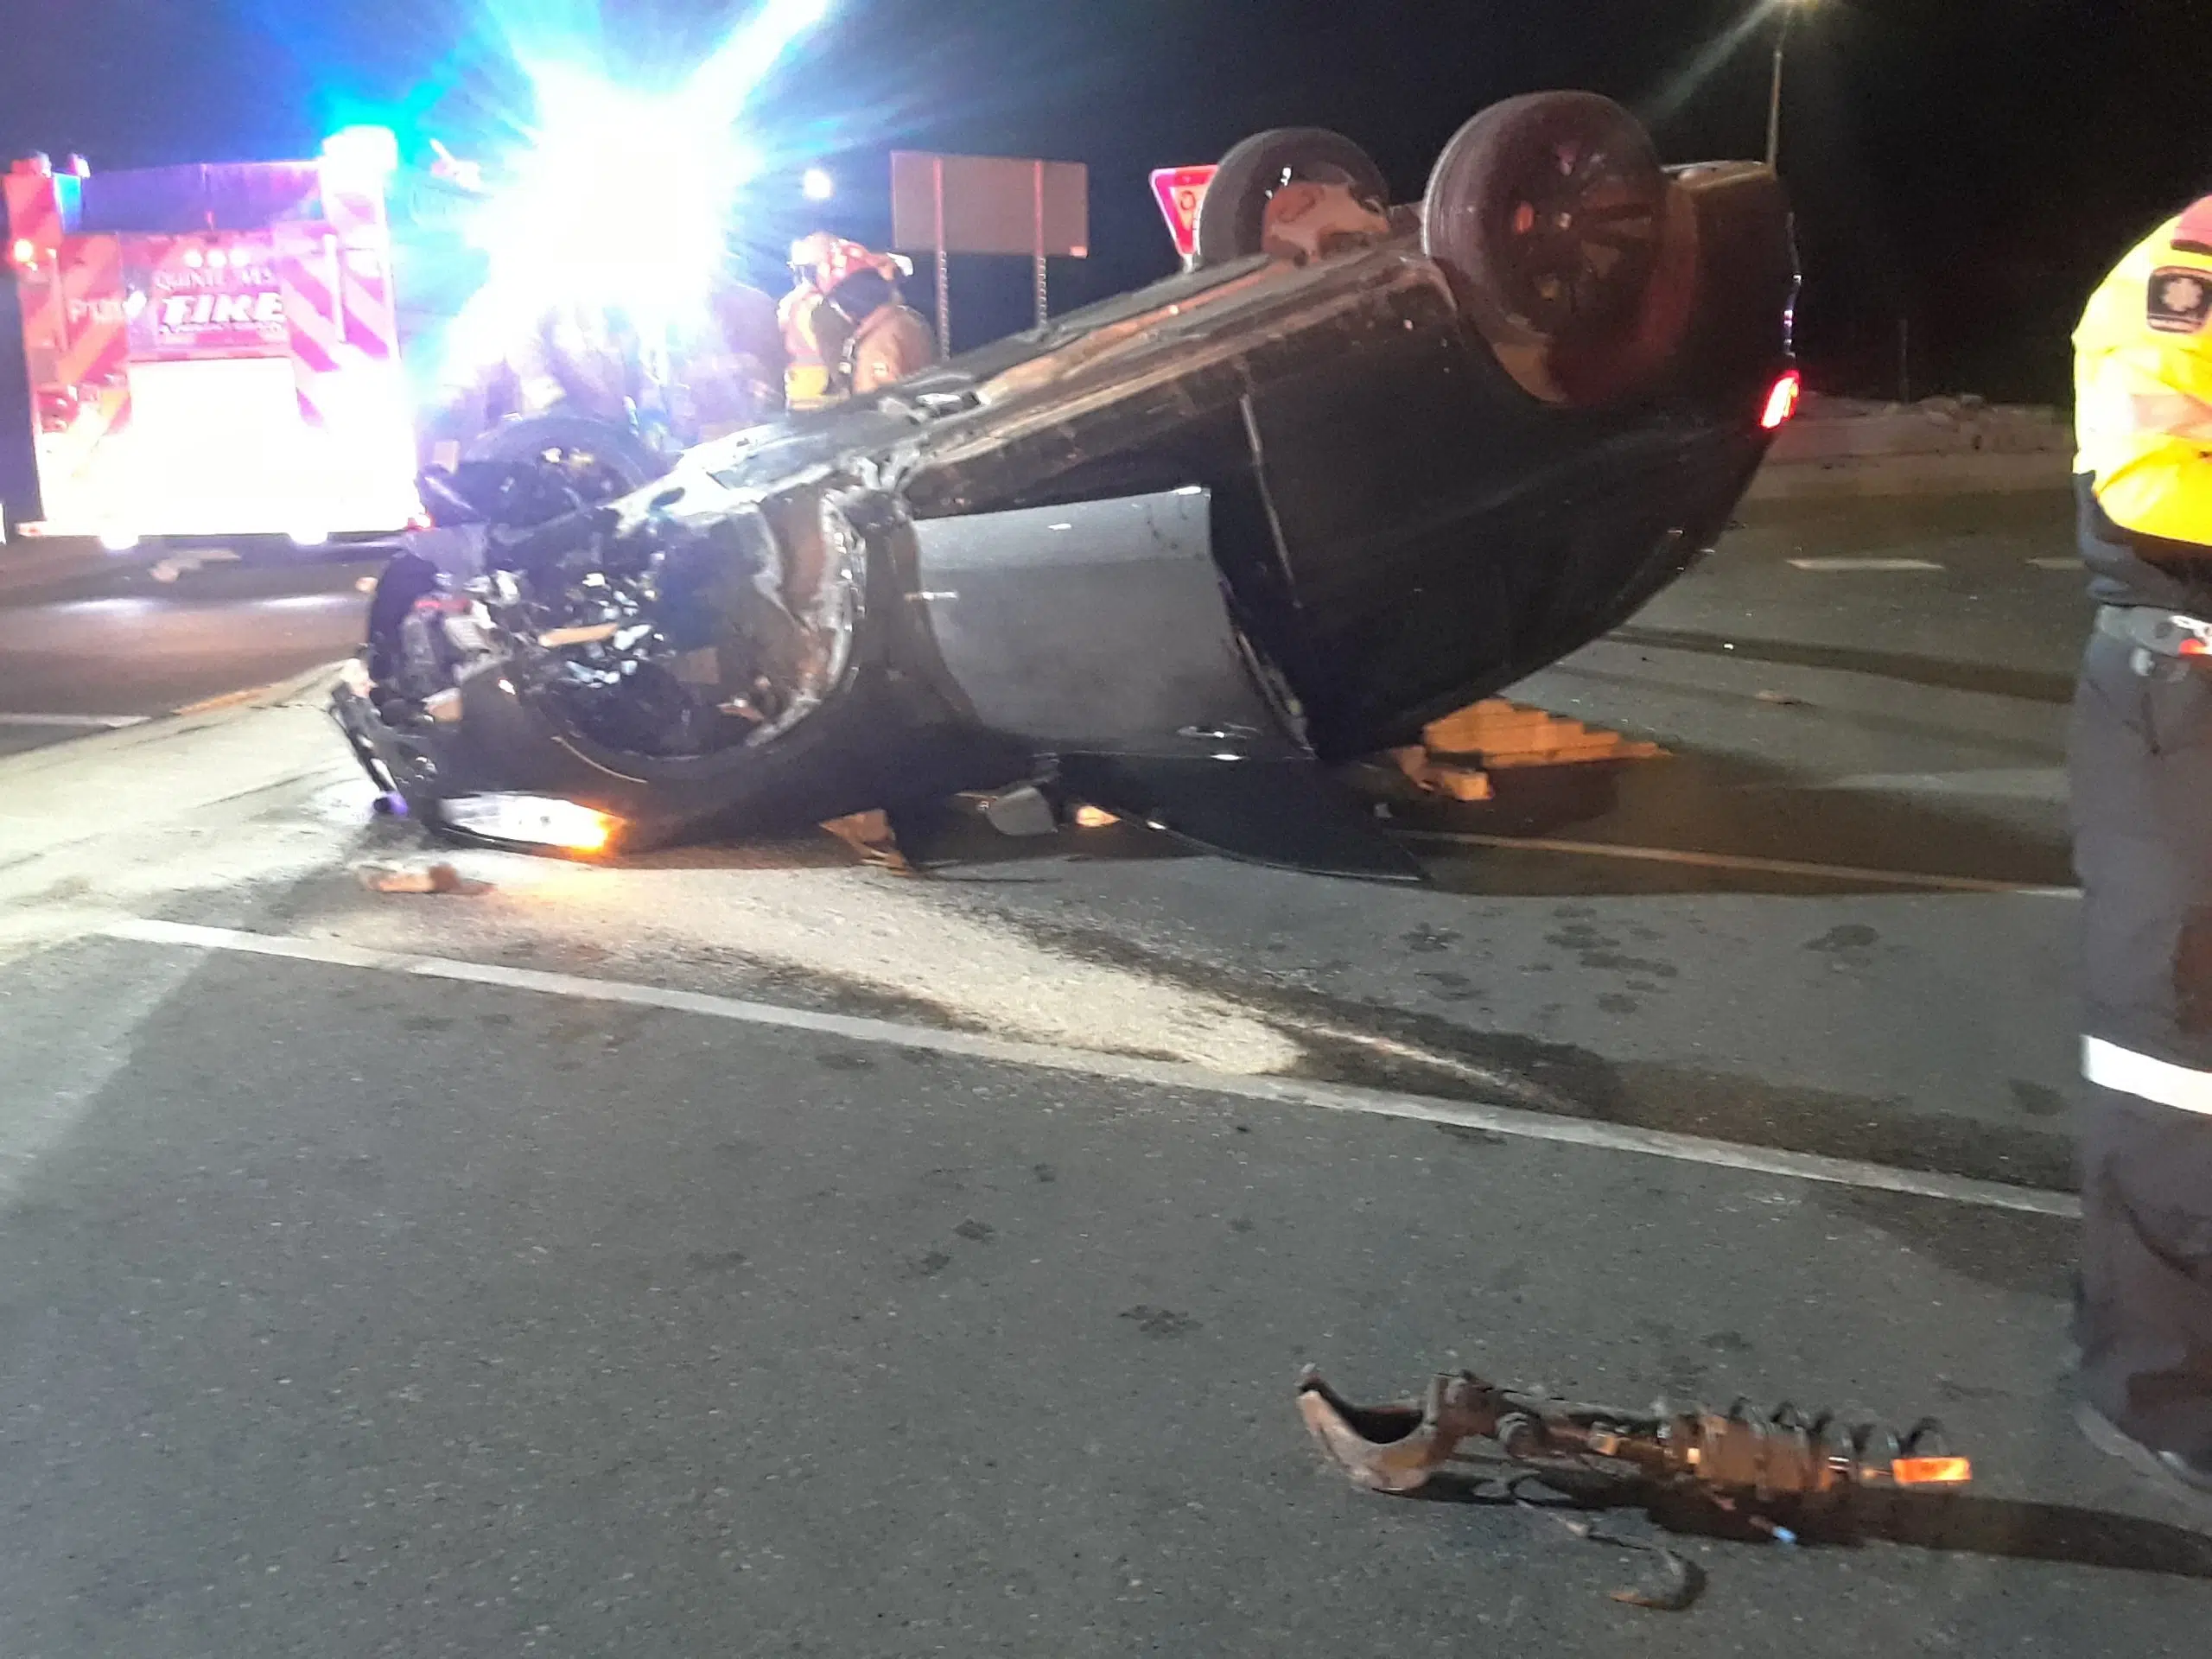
[
  {"x": 988, "y": 204},
  {"x": 1180, "y": 191}
]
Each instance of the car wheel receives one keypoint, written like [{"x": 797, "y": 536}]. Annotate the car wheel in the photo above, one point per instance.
[
  {"x": 1232, "y": 220},
  {"x": 592, "y": 459},
  {"x": 1549, "y": 215}
]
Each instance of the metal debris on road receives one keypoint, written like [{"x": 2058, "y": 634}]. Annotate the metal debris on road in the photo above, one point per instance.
[
  {"x": 1496, "y": 735},
  {"x": 1459, "y": 783},
  {"x": 1682, "y": 1580},
  {"x": 1745, "y": 1465},
  {"x": 1743, "y": 1459},
  {"x": 870, "y": 837},
  {"x": 418, "y": 878}
]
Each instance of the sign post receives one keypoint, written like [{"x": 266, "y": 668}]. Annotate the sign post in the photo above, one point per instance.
[
  {"x": 943, "y": 264},
  {"x": 1044, "y": 295}
]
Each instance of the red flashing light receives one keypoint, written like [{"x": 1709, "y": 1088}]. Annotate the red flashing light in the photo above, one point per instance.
[{"x": 1782, "y": 402}]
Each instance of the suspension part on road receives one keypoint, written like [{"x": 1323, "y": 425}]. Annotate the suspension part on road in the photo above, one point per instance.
[{"x": 1742, "y": 1456}]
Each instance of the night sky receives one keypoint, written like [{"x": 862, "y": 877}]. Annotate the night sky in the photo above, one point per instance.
[{"x": 1969, "y": 165}]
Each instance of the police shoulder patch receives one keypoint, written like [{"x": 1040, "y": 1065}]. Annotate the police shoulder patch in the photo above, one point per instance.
[{"x": 2181, "y": 300}]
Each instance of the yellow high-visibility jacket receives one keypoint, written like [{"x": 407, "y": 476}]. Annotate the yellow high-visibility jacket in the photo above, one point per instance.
[{"x": 2143, "y": 385}]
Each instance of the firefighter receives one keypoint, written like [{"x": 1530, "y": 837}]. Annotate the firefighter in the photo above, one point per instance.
[
  {"x": 2141, "y": 761},
  {"x": 847, "y": 328},
  {"x": 888, "y": 339},
  {"x": 812, "y": 344}
]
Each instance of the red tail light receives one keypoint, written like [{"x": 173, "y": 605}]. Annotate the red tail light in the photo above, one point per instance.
[{"x": 1782, "y": 402}]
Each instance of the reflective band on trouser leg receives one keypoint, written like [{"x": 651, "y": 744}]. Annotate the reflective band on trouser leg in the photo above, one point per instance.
[{"x": 2110, "y": 1066}]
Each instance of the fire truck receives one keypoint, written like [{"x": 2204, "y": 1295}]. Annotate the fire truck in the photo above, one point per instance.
[{"x": 211, "y": 353}]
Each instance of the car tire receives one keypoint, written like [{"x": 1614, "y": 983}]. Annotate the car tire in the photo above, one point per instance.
[
  {"x": 1552, "y": 220},
  {"x": 1232, "y": 220},
  {"x": 607, "y": 460}
]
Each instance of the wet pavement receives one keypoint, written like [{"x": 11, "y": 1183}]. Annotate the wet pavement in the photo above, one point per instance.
[
  {"x": 89, "y": 649},
  {"x": 742, "y": 1250}
]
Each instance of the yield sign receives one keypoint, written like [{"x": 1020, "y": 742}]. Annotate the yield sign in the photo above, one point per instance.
[{"x": 1180, "y": 189}]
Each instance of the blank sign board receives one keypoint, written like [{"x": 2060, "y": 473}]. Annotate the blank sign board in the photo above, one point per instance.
[{"x": 989, "y": 203}]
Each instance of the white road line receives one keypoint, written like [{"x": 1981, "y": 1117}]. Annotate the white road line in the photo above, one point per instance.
[
  {"x": 77, "y": 722},
  {"x": 1740, "y": 861},
  {"x": 1837, "y": 565},
  {"x": 1166, "y": 1074},
  {"x": 1994, "y": 783}
]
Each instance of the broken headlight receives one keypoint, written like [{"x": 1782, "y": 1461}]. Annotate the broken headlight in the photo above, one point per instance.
[{"x": 532, "y": 821}]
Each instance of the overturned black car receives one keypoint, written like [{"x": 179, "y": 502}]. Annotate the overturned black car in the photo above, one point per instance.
[{"x": 1178, "y": 554}]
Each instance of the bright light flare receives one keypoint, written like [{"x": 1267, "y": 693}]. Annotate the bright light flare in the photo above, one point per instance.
[
  {"x": 1671, "y": 98},
  {"x": 623, "y": 198},
  {"x": 368, "y": 153},
  {"x": 751, "y": 54},
  {"x": 624, "y": 201},
  {"x": 1782, "y": 402},
  {"x": 816, "y": 184}
]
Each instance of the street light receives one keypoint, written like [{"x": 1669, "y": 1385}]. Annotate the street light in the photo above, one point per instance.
[
  {"x": 1789, "y": 9},
  {"x": 816, "y": 184}
]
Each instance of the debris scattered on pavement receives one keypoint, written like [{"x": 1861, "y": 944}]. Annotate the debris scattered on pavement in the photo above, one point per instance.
[
  {"x": 168, "y": 569},
  {"x": 1745, "y": 1465},
  {"x": 1459, "y": 757},
  {"x": 1495, "y": 734},
  {"x": 1094, "y": 817},
  {"x": 367, "y": 584},
  {"x": 1745, "y": 1459},
  {"x": 1680, "y": 1582},
  {"x": 418, "y": 878},
  {"x": 1683, "y": 1583},
  {"x": 1781, "y": 699},
  {"x": 1455, "y": 781},
  {"x": 869, "y": 835}
]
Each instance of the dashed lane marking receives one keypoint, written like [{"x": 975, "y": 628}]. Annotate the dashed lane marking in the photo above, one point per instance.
[
  {"x": 1165, "y": 1074},
  {"x": 1995, "y": 784},
  {"x": 77, "y": 722},
  {"x": 1744, "y": 862},
  {"x": 1839, "y": 566}
]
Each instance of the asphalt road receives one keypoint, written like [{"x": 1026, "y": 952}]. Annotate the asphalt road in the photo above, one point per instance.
[
  {"x": 86, "y": 652},
  {"x": 745, "y": 1251}
]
